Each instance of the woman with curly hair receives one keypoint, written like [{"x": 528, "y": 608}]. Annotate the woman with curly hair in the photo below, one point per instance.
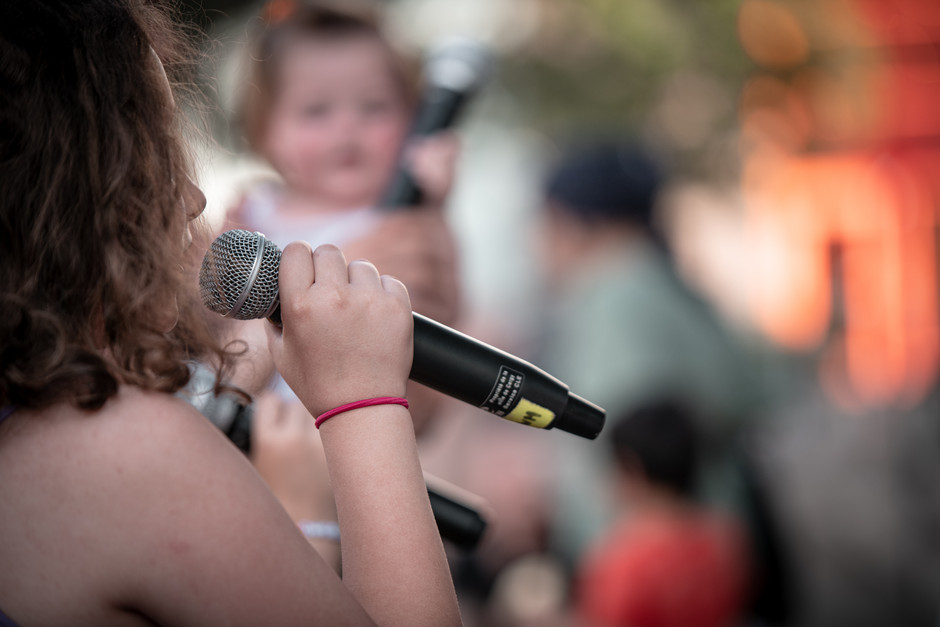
[{"x": 122, "y": 505}]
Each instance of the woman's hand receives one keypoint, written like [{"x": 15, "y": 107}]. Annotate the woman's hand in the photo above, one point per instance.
[{"x": 347, "y": 331}]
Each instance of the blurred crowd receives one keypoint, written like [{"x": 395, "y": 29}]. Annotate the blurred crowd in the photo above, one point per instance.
[{"x": 728, "y": 486}]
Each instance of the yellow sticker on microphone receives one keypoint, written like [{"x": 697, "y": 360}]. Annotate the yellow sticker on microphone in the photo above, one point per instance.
[{"x": 528, "y": 413}]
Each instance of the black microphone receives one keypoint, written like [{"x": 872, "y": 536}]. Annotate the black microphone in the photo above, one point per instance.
[
  {"x": 454, "y": 72},
  {"x": 239, "y": 279}
]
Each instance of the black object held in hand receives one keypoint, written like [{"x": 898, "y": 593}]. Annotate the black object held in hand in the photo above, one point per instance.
[
  {"x": 239, "y": 279},
  {"x": 457, "y": 521},
  {"x": 454, "y": 72}
]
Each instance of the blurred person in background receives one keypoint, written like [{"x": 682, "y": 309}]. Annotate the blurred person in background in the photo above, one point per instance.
[
  {"x": 621, "y": 327},
  {"x": 667, "y": 561},
  {"x": 328, "y": 104}
]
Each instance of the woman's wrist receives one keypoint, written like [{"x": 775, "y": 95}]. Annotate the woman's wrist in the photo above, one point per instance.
[{"x": 360, "y": 404}]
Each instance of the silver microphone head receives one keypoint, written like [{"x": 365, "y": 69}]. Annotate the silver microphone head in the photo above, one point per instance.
[
  {"x": 238, "y": 277},
  {"x": 459, "y": 64}
]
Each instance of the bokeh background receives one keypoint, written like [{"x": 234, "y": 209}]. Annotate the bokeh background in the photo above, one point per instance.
[
  {"x": 803, "y": 136},
  {"x": 803, "y": 140}
]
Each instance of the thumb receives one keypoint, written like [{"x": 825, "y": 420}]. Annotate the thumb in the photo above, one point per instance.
[{"x": 432, "y": 161}]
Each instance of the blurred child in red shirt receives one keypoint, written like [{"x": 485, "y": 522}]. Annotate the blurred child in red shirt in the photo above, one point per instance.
[{"x": 667, "y": 562}]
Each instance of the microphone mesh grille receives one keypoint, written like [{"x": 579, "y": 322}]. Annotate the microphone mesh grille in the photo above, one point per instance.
[
  {"x": 458, "y": 64},
  {"x": 226, "y": 271}
]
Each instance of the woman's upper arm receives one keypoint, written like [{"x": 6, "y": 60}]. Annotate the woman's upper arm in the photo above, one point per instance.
[{"x": 207, "y": 541}]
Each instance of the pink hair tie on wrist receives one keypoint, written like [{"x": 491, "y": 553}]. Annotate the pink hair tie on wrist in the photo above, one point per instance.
[{"x": 381, "y": 400}]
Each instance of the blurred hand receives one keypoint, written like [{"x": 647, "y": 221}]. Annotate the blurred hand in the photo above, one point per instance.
[
  {"x": 432, "y": 161},
  {"x": 416, "y": 244},
  {"x": 418, "y": 248},
  {"x": 288, "y": 454}
]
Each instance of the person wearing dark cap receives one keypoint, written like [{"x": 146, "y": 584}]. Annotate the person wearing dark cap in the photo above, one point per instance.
[
  {"x": 621, "y": 327},
  {"x": 607, "y": 181}
]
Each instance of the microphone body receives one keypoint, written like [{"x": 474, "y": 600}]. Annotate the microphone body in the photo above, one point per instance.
[
  {"x": 239, "y": 277},
  {"x": 493, "y": 380},
  {"x": 454, "y": 73}
]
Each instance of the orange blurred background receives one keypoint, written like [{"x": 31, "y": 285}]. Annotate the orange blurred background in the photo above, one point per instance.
[{"x": 840, "y": 140}]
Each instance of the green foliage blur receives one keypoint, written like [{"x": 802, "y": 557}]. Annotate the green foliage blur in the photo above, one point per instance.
[{"x": 607, "y": 60}]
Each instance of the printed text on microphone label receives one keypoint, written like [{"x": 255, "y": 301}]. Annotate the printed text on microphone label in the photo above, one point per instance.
[{"x": 505, "y": 393}]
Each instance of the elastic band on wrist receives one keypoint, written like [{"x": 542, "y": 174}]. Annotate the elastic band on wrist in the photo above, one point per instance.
[
  {"x": 319, "y": 529},
  {"x": 382, "y": 400}
]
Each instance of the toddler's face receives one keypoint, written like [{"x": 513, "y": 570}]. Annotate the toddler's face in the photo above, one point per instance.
[{"x": 337, "y": 121}]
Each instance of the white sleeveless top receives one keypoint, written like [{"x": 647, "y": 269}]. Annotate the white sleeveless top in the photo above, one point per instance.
[{"x": 260, "y": 206}]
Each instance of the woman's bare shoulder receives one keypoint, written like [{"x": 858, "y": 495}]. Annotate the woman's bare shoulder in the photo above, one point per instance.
[
  {"x": 144, "y": 420},
  {"x": 161, "y": 511},
  {"x": 131, "y": 426},
  {"x": 130, "y": 422},
  {"x": 129, "y": 453}
]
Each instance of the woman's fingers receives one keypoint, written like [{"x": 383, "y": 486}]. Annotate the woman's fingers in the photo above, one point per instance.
[
  {"x": 364, "y": 272},
  {"x": 347, "y": 333},
  {"x": 329, "y": 266},
  {"x": 397, "y": 288},
  {"x": 296, "y": 273}
]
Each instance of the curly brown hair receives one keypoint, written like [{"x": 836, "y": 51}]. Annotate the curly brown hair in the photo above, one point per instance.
[{"x": 94, "y": 172}]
